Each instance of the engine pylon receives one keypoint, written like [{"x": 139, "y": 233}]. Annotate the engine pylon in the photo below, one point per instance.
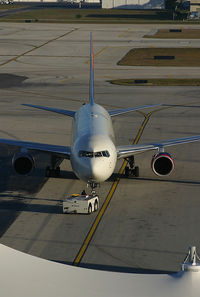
[{"x": 192, "y": 260}]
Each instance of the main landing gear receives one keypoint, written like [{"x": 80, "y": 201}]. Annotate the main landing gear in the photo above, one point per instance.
[
  {"x": 131, "y": 169},
  {"x": 54, "y": 169}
]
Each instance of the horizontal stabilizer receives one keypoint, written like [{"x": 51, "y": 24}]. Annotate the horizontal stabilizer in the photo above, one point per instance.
[
  {"x": 69, "y": 113},
  {"x": 125, "y": 110}
]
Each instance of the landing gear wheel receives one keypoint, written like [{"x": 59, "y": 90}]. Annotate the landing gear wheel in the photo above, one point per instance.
[
  {"x": 52, "y": 172},
  {"x": 95, "y": 206},
  {"x": 136, "y": 171},
  {"x": 133, "y": 172},
  {"x": 93, "y": 185},
  {"x": 127, "y": 171},
  {"x": 57, "y": 171},
  {"x": 90, "y": 209},
  {"x": 48, "y": 172}
]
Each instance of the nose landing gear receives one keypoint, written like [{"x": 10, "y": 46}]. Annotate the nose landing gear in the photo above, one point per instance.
[
  {"x": 131, "y": 169},
  {"x": 93, "y": 185}
]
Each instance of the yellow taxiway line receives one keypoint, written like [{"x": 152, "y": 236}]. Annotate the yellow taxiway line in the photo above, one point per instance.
[
  {"x": 123, "y": 34},
  {"x": 98, "y": 53},
  {"x": 35, "y": 48}
]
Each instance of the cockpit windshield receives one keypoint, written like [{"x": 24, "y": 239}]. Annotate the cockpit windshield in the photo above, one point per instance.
[
  {"x": 85, "y": 154},
  {"x": 94, "y": 154}
]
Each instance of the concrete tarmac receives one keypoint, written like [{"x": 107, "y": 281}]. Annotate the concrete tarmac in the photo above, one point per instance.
[{"x": 150, "y": 221}]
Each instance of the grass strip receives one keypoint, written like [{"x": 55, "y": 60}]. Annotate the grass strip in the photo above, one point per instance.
[
  {"x": 4, "y": 7},
  {"x": 67, "y": 15},
  {"x": 184, "y": 34},
  {"x": 184, "y": 57}
]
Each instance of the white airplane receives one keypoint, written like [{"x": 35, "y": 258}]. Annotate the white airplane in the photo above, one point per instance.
[{"x": 93, "y": 155}]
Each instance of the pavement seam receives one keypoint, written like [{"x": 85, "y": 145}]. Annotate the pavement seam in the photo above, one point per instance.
[{"x": 37, "y": 47}]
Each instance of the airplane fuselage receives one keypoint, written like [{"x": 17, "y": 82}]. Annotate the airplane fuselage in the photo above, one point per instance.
[{"x": 93, "y": 156}]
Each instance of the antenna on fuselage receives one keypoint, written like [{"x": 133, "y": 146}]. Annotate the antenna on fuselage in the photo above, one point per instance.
[{"x": 91, "y": 71}]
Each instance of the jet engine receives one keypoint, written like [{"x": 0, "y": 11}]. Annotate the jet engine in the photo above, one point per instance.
[
  {"x": 23, "y": 163},
  {"x": 162, "y": 164}
]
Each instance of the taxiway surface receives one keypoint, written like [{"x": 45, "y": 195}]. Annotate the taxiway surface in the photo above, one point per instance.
[{"x": 150, "y": 221}]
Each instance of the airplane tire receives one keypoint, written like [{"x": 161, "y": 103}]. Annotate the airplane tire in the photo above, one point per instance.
[
  {"x": 90, "y": 209},
  {"x": 136, "y": 173},
  {"x": 52, "y": 172},
  {"x": 57, "y": 171},
  {"x": 48, "y": 172},
  {"x": 95, "y": 206},
  {"x": 127, "y": 171}
]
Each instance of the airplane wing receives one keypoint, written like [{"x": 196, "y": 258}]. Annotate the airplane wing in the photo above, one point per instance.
[
  {"x": 125, "y": 110},
  {"x": 58, "y": 150},
  {"x": 69, "y": 113},
  {"x": 130, "y": 150}
]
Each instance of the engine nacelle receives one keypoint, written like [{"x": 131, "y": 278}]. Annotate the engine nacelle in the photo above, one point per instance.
[
  {"x": 162, "y": 164},
  {"x": 23, "y": 163}
]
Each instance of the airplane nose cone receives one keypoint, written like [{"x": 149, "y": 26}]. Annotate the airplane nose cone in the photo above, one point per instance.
[
  {"x": 94, "y": 171},
  {"x": 100, "y": 171}
]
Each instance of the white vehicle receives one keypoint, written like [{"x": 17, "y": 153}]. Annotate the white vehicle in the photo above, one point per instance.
[
  {"x": 6, "y": 2},
  {"x": 81, "y": 204}
]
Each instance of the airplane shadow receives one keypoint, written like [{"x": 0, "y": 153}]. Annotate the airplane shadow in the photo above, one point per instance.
[
  {"x": 19, "y": 206},
  {"x": 68, "y": 175},
  {"x": 57, "y": 209},
  {"x": 28, "y": 184},
  {"x": 113, "y": 268},
  {"x": 11, "y": 181},
  {"x": 115, "y": 176},
  {"x": 11, "y": 205}
]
